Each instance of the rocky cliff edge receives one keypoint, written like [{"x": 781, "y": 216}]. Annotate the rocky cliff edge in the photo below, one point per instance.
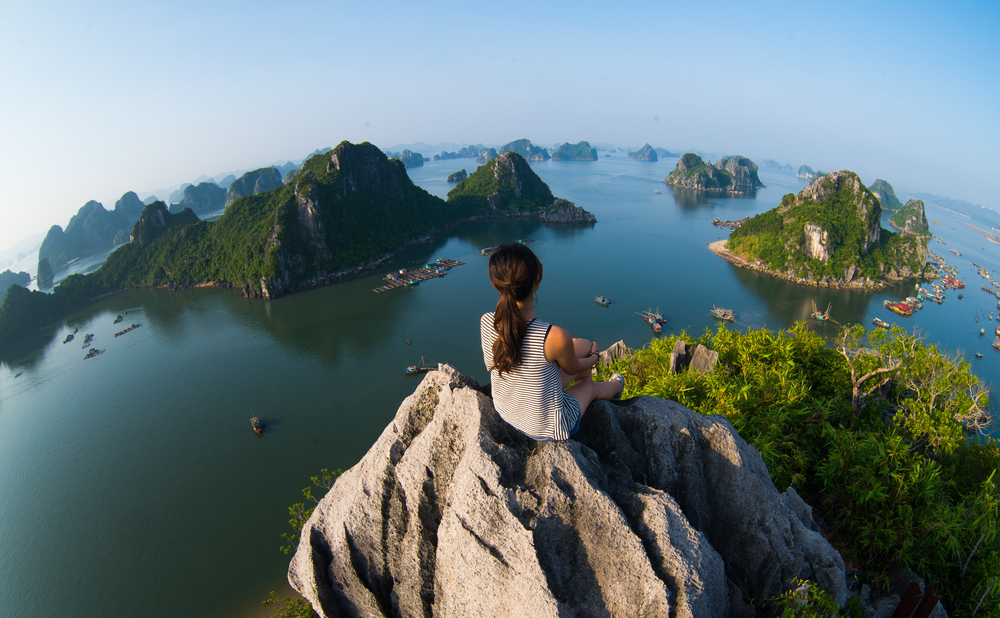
[{"x": 651, "y": 509}]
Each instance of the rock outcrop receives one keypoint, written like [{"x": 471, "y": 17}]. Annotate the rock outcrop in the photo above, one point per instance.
[
  {"x": 808, "y": 173},
  {"x": 252, "y": 183},
  {"x": 650, "y": 510},
  {"x": 565, "y": 211},
  {"x": 44, "y": 276},
  {"x": 486, "y": 155},
  {"x": 730, "y": 174},
  {"x": 155, "y": 219},
  {"x": 646, "y": 153},
  {"x": 458, "y": 176},
  {"x": 886, "y": 196},
  {"x": 290, "y": 175},
  {"x": 771, "y": 163},
  {"x": 911, "y": 219}
]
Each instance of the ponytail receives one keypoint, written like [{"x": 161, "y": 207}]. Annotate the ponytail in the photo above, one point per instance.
[{"x": 514, "y": 272}]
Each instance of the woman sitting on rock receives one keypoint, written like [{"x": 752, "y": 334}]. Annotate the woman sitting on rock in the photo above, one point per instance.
[{"x": 531, "y": 362}]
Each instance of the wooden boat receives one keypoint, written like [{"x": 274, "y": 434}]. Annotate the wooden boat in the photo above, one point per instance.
[
  {"x": 257, "y": 425},
  {"x": 415, "y": 369},
  {"x": 653, "y": 318},
  {"x": 979, "y": 354},
  {"x": 410, "y": 283},
  {"x": 723, "y": 314},
  {"x": 996, "y": 343},
  {"x": 823, "y": 316},
  {"x": 600, "y": 300},
  {"x": 982, "y": 331},
  {"x": 880, "y": 323},
  {"x": 658, "y": 192}
]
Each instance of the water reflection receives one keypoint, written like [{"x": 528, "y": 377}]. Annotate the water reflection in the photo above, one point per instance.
[{"x": 689, "y": 199}]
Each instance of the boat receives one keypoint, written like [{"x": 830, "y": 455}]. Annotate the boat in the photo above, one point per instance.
[
  {"x": 880, "y": 323},
  {"x": 257, "y": 425},
  {"x": 119, "y": 318},
  {"x": 18, "y": 374},
  {"x": 996, "y": 343},
  {"x": 900, "y": 308},
  {"x": 982, "y": 331},
  {"x": 411, "y": 283},
  {"x": 653, "y": 318},
  {"x": 959, "y": 296},
  {"x": 979, "y": 354},
  {"x": 823, "y": 316},
  {"x": 415, "y": 369},
  {"x": 93, "y": 352},
  {"x": 600, "y": 300},
  {"x": 658, "y": 192},
  {"x": 722, "y": 314}
]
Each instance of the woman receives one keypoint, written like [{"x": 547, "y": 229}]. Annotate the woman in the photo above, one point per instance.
[{"x": 531, "y": 362}]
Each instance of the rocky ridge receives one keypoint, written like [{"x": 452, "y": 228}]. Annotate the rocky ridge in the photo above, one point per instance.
[
  {"x": 526, "y": 149},
  {"x": 91, "y": 230},
  {"x": 651, "y": 509},
  {"x": 575, "y": 152},
  {"x": 202, "y": 199},
  {"x": 886, "y": 196},
  {"x": 911, "y": 219},
  {"x": 458, "y": 176}
]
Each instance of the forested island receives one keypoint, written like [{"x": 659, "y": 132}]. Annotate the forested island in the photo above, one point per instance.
[
  {"x": 575, "y": 152},
  {"x": 886, "y": 196},
  {"x": 526, "y": 149},
  {"x": 344, "y": 211},
  {"x": 730, "y": 174},
  {"x": 829, "y": 234},
  {"x": 911, "y": 219},
  {"x": 646, "y": 153}
]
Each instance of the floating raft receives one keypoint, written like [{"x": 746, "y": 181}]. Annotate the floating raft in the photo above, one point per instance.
[
  {"x": 128, "y": 330},
  {"x": 403, "y": 278}
]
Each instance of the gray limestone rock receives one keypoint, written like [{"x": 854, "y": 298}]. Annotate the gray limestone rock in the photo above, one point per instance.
[
  {"x": 650, "y": 510},
  {"x": 703, "y": 360},
  {"x": 565, "y": 211},
  {"x": 680, "y": 357}
]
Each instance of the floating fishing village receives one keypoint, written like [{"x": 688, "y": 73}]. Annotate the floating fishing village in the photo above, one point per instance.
[{"x": 408, "y": 278}]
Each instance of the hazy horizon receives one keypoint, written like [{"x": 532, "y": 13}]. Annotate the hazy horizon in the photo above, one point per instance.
[{"x": 114, "y": 97}]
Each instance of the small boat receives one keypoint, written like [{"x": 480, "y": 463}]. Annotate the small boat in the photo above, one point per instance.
[
  {"x": 982, "y": 331},
  {"x": 653, "y": 318},
  {"x": 900, "y": 308},
  {"x": 723, "y": 314},
  {"x": 257, "y": 425},
  {"x": 18, "y": 374},
  {"x": 823, "y": 316},
  {"x": 410, "y": 283},
  {"x": 996, "y": 343},
  {"x": 959, "y": 296},
  {"x": 415, "y": 369},
  {"x": 658, "y": 192},
  {"x": 121, "y": 316},
  {"x": 600, "y": 300},
  {"x": 880, "y": 323},
  {"x": 979, "y": 354}
]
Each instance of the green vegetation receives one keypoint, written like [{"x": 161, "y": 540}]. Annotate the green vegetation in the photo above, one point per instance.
[
  {"x": 886, "y": 195},
  {"x": 505, "y": 185},
  {"x": 575, "y": 152},
  {"x": 526, "y": 149},
  {"x": 911, "y": 218},
  {"x": 9, "y": 278},
  {"x": 778, "y": 237},
  {"x": 874, "y": 433},
  {"x": 646, "y": 153},
  {"x": 694, "y": 173},
  {"x": 362, "y": 207}
]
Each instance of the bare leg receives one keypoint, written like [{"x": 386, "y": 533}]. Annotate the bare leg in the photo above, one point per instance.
[
  {"x": 582, "y": 348},
  {"x": 584, "y": 389}
]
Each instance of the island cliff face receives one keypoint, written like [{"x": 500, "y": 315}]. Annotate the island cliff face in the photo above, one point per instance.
[
  {"x": 886, "y": 196},
  {"x": 646, "y": 153},
  {"x": 650, "y": 510},
  {"x": 830, "y": 233},
  {"x": 911, "y": 219},
  {"x": 730, "y": 174},
  {"x": 526, "y": 149}
]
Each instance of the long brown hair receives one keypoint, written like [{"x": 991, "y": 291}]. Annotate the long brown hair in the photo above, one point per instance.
[{"x": 514, "y": 272}]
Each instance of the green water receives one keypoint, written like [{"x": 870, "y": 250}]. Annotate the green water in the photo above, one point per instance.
[{"x": 131, "y": 483}]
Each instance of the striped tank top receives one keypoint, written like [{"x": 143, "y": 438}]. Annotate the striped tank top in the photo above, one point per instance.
[{"x": 530, "y": 396}]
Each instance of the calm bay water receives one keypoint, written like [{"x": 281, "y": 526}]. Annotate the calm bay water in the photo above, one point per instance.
[{"x": 131, "y": 484}]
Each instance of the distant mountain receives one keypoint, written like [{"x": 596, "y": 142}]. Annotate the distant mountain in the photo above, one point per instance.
[
  {"x": 808, "y": 173},
  {"x": 980, "y": 214},
  {"x": 526, "y": 149},
  {"x": 886, "y": 196},
  {"x": 202, "y": 199},
  {"x": 575, "y": 152},
  {"x": 772, "y": 164},
  {"x": 178, "y": 195},
  {"x": 91, "y": 230},
  {"x": 252, "y": 183},
  {"x": 663, "y": 153},
  {"x": 9, "y": 278},
  {"x": 225, "y": 182},
  {"x": 149, "y": 200},
  {"x": 646, "y": 153},
  {"x": 411, "y": 159},
  {"x": 486, "y": 155},
  {"x": 425, "y": 147}
]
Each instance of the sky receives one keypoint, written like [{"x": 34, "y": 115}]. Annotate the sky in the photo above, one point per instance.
[{"x": 101, "y": 98}]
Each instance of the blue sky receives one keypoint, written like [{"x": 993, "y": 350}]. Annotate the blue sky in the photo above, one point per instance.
[{"x": 100, "y": 98}]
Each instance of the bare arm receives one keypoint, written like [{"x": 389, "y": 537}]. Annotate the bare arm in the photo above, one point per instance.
[{"x": 559, "y": 347}]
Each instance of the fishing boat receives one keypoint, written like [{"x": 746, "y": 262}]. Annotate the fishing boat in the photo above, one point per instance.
[
  {"x": 410, "y": 283},
  {"x": 880, "y": 323},
  {"x": 653, "y": 318},
  {"x": 415, "y": 369},
  {"x": 979, "y": 354},
  {"x": 982, "y": 331},
  {"x": 959, "y": 296},
  {"x": 996, "y": 343},
  {"x": 823, "y": 316},
  {"x": 658, "y": 192},
  {"x": 723, "y": 314},
  {"x": 600, "y": 300},
  {"x": 257, "y": 425}
]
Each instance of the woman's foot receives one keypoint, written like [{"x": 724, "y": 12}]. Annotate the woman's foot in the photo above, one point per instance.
[{"x": 621, "y": 380}]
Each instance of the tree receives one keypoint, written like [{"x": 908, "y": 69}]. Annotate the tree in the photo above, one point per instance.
[{"x": 873, "y": 365}]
